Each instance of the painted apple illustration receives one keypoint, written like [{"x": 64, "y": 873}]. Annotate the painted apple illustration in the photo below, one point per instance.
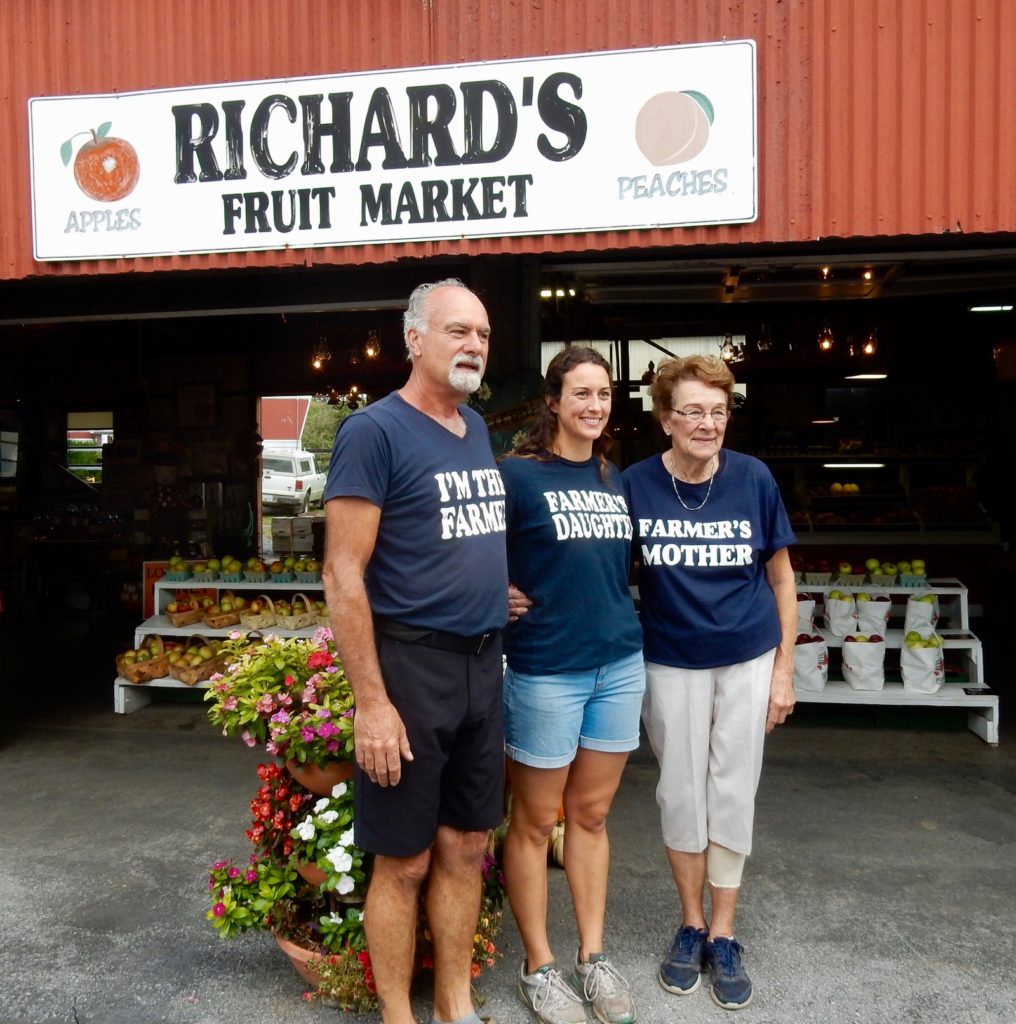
[
  {"x": 673, "y": 127},
  {"x": 106, "y": 168}
]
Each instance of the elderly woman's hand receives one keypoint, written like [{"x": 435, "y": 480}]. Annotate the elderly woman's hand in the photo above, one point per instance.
[
  {"x": 781, "y": 697},
  {"x": 518, "y": 603}
]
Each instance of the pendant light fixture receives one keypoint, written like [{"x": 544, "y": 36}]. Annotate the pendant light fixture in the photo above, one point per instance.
[{"x": 826, "y": 341}]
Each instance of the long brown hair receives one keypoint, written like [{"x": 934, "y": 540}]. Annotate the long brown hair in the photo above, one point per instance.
[{"x": 539, "y": 440}]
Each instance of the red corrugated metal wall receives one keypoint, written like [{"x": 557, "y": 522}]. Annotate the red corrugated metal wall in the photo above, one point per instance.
[{"x": 876, "y": 117}]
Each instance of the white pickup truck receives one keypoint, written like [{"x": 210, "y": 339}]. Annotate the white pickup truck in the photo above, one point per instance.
[{"x": 290, "y": 480}]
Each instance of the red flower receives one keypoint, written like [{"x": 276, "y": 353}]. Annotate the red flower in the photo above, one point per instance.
[{"x": 320, "y": 659}]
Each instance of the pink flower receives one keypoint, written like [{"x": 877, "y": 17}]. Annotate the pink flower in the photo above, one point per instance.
[
  {"x": 289, "y": 680},
  {"x": 331, "y": 746},
  {"x": 234, "y": 872},
  {"x": 281, "y": 716},
  {"x": 215, "y": 677},
  {"x": 248, "y": 739},
  {"x": 308, "y": 694},
  {"x": 324, "y": 713},
  {"x": 229, "y": 704},
  {"x": 272, "y": 748},
  {"x": 306, "y": 734},
  {"x": 219, "y": 865},
  {"x": 219, "y": 909},
  {"x": 285, "y": 699},
  {"x": 326, "y": 729},
  {"x": 251, "y": 876}
]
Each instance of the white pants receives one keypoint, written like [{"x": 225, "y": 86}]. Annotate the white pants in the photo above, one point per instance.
[{"x": 707, "y": 729}]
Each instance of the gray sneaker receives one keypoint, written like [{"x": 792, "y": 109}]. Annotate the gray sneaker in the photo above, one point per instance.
[
  {"x": 605, "y": 989},
  {"x": 548, "y": 995}
]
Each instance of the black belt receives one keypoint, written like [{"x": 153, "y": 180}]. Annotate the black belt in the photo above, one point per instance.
[{"x": 408, "y": 634}]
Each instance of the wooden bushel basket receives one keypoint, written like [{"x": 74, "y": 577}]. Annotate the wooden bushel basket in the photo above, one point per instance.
[
  {"x": 189, "y": 675},
  {"x": 223, "y": 619},
  {"x": 144, "y": 671},
  {"x": 300, "y": 620},
  {"x": 259, "y": 620}
]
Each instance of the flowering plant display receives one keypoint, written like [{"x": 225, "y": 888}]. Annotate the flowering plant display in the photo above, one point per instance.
[
  {"x": 291, "y": 694},
  {"x": 324, "y": 837}
]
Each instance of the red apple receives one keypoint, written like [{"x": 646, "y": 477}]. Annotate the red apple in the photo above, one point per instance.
[
  {"x": 874, "y": 639},
  {"x": 803, "y": 638},
  {"x": 106, "y": 168}
]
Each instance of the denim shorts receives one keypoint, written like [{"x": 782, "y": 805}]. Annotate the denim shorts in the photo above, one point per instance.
[{"x": 548, "y": 717}]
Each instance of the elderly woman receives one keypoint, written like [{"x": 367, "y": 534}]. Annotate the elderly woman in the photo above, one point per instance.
[
  {"x": 574, "y": 684},
  {"x": 719, "y": 616}
]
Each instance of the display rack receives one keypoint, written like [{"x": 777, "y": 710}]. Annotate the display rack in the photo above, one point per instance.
[
  {"x": 954, "y": 629},
  {"x": 129, "y": 697}
]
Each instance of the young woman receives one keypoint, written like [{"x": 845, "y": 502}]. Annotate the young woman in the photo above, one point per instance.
[{"x": 574, "y": 683}]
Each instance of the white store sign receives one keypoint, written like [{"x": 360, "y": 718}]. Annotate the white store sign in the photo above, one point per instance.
[{"x": 661, "y": 137}]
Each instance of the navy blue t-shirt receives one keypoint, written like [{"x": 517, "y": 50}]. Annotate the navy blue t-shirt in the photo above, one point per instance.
[
  {"x": 569, "y": 541},
  {"x": 705, "y": 600},
  {"x": 439, "y": 560}
]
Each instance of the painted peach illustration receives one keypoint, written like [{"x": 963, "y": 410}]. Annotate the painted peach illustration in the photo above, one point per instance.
[
  {"x": 106, "y": 168},
  {"x": 673, "y": 127}
]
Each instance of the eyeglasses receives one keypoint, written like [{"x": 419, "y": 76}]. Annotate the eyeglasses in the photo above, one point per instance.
[{"x": 696, "y": 416}]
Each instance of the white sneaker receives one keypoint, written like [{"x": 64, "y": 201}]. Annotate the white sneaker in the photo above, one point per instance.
[
  {"x": 549, "y": 996},
  {"x": 605, "y": 989}
]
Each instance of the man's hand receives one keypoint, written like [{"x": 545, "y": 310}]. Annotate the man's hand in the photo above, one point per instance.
[
  {"x": 518, "y": 603},
  {"x": 381, "y": 742},
  {"x": 781, "y": 697}
]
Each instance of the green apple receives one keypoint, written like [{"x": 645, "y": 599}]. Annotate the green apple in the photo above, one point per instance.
[
  {"x": 903, "y": 567},
  {"x": 289, "y": 561},
  {"x": 926, "y": 598},
  {"x": 860, "y": 638},
  {"x": 313, "y": 565},
  {"x": 917, "y": 564},
  {"x": 872, "y": 564},
  {"x": 862, "y": 597},
  {"x": 912, "y": 638},
  {"x": 888, "y": 568}
]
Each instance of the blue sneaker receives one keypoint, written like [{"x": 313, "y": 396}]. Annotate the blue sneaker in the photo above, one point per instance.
[
  {"x": 681, "y": 972},
  {"x": 731, "y": 987}
]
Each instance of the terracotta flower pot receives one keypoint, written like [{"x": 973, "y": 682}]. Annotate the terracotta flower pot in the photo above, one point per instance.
[
  {"x": 311, "y": 873},
  {"x": 320, "y": 780},
  {"x": 303, "y": 960}
]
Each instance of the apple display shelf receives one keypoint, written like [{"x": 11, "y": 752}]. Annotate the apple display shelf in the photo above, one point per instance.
[
  {"x": 128, "y": 696},
  {"x": 954, "y": 628}
]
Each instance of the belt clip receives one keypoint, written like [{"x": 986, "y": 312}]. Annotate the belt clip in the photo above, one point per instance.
[{"x": 482, "y": 645}]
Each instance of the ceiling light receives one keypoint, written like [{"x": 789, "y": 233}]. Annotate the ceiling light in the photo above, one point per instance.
[
  {"x": 853, "y": 465},
  {"x": 828, "y": 421},
  {"x": 321, "y": 353},
  {"x": 868, "y": 274},
  {"x": 825, "y": 339},
  {"x": 372, "y": 347},
  {"x": 988, "y": 309},
  {"x": 870, "y": 346},
  {"x": 559, "y": 293},
  {"x": 826, "y": 273},
  {"x": 866, "y": 376},
  {"x": 546, "y": 293}
]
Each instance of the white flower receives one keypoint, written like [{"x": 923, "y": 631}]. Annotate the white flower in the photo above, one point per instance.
[
  {"x": 328, "y": 817},
  {"x": 321, "y": 805},
  {"x": 346, "y": 839},
  {"x": 339, "y": 859},
  {"x": 339, "y": 789},
  {"x": 334, "y": 918},
  {"x": 305, "y": 830},
  {"x": 346, "y": 884},
  {"x": 353, "y": 915}
]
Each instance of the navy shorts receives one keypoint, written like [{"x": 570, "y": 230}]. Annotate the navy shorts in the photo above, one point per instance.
[{"x": 451, "y": 706}]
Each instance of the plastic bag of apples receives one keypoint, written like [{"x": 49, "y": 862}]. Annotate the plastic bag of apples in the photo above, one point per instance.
[
  {"x": 811, "y": 661},
  {"x": 864, "y": 660}
]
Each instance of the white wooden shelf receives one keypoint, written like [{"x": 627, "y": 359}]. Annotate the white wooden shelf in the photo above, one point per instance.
[
  {"x": 128, "y": 696},
  {"x": 954, "y": 629}
]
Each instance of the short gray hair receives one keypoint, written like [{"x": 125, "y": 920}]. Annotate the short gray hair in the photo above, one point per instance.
[{"x": 415, "y": 316}]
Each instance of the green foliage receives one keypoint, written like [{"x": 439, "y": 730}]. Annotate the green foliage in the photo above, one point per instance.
[{"x": 319, "y": 431}]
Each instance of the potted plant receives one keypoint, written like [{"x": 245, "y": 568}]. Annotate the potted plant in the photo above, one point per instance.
[{"x": 306, "y": 881}]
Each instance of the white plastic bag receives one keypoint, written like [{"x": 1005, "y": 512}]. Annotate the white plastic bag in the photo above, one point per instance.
[
  {"x": 805, "y": 613},
  {"x": 922, "y": 668},
  {"x": 811, "y": 665},
  {"x": 921, "y": 613},
  {"x": 873, "y": 615},
  {"x": 864, "y": 664},
  {"x": 840, "y": 613}
]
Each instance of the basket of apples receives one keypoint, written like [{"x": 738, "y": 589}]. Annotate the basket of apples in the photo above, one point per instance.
[
  {"x": 255, "y": 571},
  {"x": 864, "y": 660},
  {"x": 880, "y": 574},
  {"x": 850, "y": 575},
  {"x": 307, "y": 570},
  {"x": 299, "y": 613},
  {"x": 177, "y": 570},
  {"x": 259, "y": 614},
  {"x": 184, "y": 609},
  {"x": 224, "y": 612},
  {"x": 818, "y": 574},
  {"x": 198, "y": 660},
  {"x": 922, "y": 665},
  {"x": 281, "y": 570},
  {"x": 231, "y": 570},
  {"x": 322, "y": 613},
  {"x": 913, "y": 573},
  {"x": 811, "y": 662},
  {"x": 145, "y": 663}
]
